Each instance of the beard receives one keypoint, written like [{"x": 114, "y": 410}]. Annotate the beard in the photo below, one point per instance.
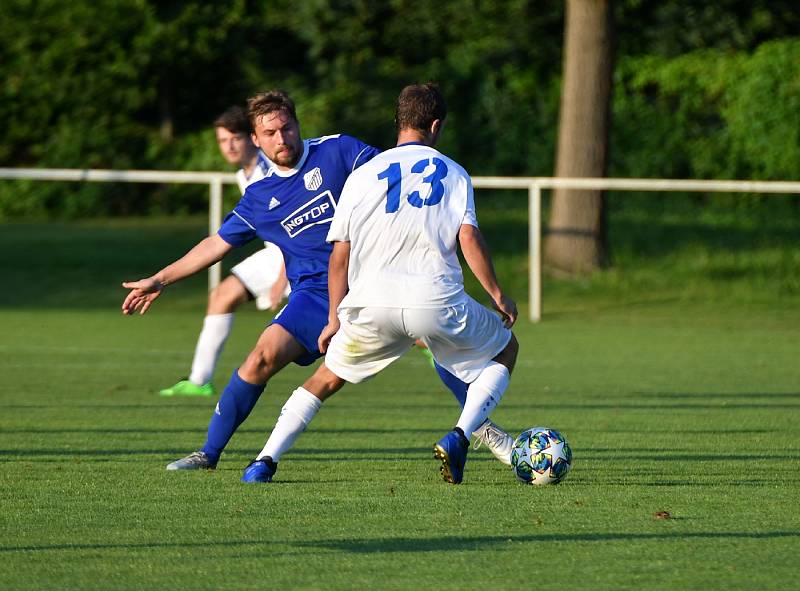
[{"x": 286, "y": 156}]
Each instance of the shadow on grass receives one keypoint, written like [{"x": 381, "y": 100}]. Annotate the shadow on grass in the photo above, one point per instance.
[
  {"x": 481, "y": 543},
  {"x": 623, "y": 404},
  {"x": 418, "y": 545},
  {"x": 745, "y": 395},
  {"x": 161, "y": 430},
  {"x": 328, "y": 454},
  {"x": 663, "y": 456}
]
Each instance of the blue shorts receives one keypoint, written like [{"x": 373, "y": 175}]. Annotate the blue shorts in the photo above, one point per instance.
[{"x": 304, "y": 317}]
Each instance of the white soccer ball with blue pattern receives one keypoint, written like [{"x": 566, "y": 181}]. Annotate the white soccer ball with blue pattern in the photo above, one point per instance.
[{"x": 541, "y": 456}]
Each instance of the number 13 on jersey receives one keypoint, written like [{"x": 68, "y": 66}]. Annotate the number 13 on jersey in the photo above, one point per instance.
[{"x": 394, "y": 175}]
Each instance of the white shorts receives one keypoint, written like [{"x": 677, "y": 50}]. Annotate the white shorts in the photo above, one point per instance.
[
  {"x": 258, "y": 273},
  {"x": 463, "y": 338}
]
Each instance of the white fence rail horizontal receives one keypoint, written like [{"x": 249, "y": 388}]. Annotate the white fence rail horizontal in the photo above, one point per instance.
[{"x": 534, "y": 186}]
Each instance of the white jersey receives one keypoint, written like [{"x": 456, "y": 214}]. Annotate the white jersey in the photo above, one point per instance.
[
  {"x": 259, "y": 172},
  {"x": 401, "y": 213}
]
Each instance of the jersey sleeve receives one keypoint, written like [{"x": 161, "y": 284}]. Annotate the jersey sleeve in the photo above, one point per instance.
[
  {"x": 357, "y": 152},
  {"x": 340, "y": 225},
  {"x": 237, "y": 228},
  {"x": 470, "y": 217}
]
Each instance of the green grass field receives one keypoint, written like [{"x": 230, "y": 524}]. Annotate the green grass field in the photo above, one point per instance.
[{"x": 675, "y": 378}]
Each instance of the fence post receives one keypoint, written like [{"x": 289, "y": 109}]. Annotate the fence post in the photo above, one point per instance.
[
  {"x": 535, "y": 251},
  {"x": 214, "y": 222}
]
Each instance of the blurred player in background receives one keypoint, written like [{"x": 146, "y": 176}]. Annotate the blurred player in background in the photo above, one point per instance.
[
  {"x": 395, "y": 277},
  {"x": 260, "y": 276}
]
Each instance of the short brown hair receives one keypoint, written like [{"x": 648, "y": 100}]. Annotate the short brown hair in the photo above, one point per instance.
[
  {"x": 268, "y": 102},
  {"x": 418, "y": 106},
  {"x": 235, "y": 120}
]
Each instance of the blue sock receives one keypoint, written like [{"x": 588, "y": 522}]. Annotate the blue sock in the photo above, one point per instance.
[
  {"x": 237, "y": 400},
  {"x": 456, "y": 386}
]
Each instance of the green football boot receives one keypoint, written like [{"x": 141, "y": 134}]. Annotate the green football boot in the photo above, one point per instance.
[
  {"x": 428, "y": 355},
  {"x": 187, "y": 388}
]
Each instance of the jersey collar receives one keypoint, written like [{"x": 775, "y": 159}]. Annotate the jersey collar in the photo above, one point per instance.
[
  {"x": 274, "y": 170},
  {"x": 410, "y": 144}
]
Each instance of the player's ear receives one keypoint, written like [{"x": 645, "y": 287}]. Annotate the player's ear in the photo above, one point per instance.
[
  {"x": 254, "y": 137},
  {"x": 436, "y": 129}
]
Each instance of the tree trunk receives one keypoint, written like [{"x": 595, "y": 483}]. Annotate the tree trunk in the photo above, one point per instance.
[{"x": 576, "y": 240}]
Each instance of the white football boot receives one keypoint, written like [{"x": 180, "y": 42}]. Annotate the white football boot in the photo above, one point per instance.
[
  {"x": 197, "y": 460},
  {"x": 498, "y": 441}
]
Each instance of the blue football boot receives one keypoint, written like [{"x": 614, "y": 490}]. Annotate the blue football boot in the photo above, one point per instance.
[
  {"x": 452, "y": 451},
  {"x": 260, "y": 470}
]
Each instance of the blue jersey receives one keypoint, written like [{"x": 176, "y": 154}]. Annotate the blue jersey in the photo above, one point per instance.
[{"x": 294, "y": 208}]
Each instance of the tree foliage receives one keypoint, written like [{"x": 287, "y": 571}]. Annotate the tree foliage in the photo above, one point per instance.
[
  {"x": 700, "y": 89},
  {"x": 710, "y": 114}
]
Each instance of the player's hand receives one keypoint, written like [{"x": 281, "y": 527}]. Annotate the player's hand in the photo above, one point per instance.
[
  {"x": 143, "y": 293},
  {"x": 327, "y": 334},
  {"x": 508, "y": 310}
]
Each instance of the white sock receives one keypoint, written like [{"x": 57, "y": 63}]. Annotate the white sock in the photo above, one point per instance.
[
  {"x": 296, "y": 414},
  {"x": 482, "y": 396},
  {"x": 216, "y": 328}
]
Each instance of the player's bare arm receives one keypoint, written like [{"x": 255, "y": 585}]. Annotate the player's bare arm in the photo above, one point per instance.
[
  {"x": 337, "y": 289},
  {"x": 476, "y": 255},
  {"x": 145, "y": 291}
]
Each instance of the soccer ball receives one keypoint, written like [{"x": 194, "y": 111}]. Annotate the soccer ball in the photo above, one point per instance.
[{"x": 541, "y": 456}]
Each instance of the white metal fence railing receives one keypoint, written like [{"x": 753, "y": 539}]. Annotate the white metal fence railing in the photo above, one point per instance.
[
  {"x": 214, "y": 180},
  {"x": 534, "y": 186}
]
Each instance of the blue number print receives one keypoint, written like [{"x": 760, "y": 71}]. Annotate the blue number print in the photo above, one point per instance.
[
  {"x": 434, "y": 179},
  {"x": 392, "y": 174}
]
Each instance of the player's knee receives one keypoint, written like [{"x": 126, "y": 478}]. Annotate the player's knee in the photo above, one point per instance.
[
  {"x": 324, "y": 382},
  {"x": 227, "y": 296},
  {"x": 333, "y": 383},
  {"x": 508, "y": 356},
  {"x": 260, "y": 363}
]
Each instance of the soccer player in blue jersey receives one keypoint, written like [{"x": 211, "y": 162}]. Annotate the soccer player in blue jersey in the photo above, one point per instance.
[{"x": 292, "y": 206}]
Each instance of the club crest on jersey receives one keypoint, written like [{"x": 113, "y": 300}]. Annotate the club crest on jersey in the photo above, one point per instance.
[
  {"x": 313, "y": 179},
  {"x": 317, "y": 211}
]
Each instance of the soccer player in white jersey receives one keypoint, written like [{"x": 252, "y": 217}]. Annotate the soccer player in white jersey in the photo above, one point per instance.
[
  {"x": 261, "y": 276},
  {"x": 394, "y": 277}
]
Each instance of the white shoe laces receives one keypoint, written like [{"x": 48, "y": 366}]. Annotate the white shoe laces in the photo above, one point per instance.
[{"x": 491, "y": 435}]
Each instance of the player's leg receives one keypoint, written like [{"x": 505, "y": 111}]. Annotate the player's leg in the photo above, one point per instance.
[
  {"x": 368, "y": 340},
  {"x": 292, "y": 336},
  {"x": 259, "y": 272},
  {"x": 483, "y": 395},
  {"x": 465, "y": 339},
  {"x": 298, "y": 411},
  {"x": 222, "y": 303},
  {"x": 250, "y": 279},
  {"x": 485, "y": 392},
  {"x": 275, "y": 349},
  {"x": 488, "y": 433}
]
